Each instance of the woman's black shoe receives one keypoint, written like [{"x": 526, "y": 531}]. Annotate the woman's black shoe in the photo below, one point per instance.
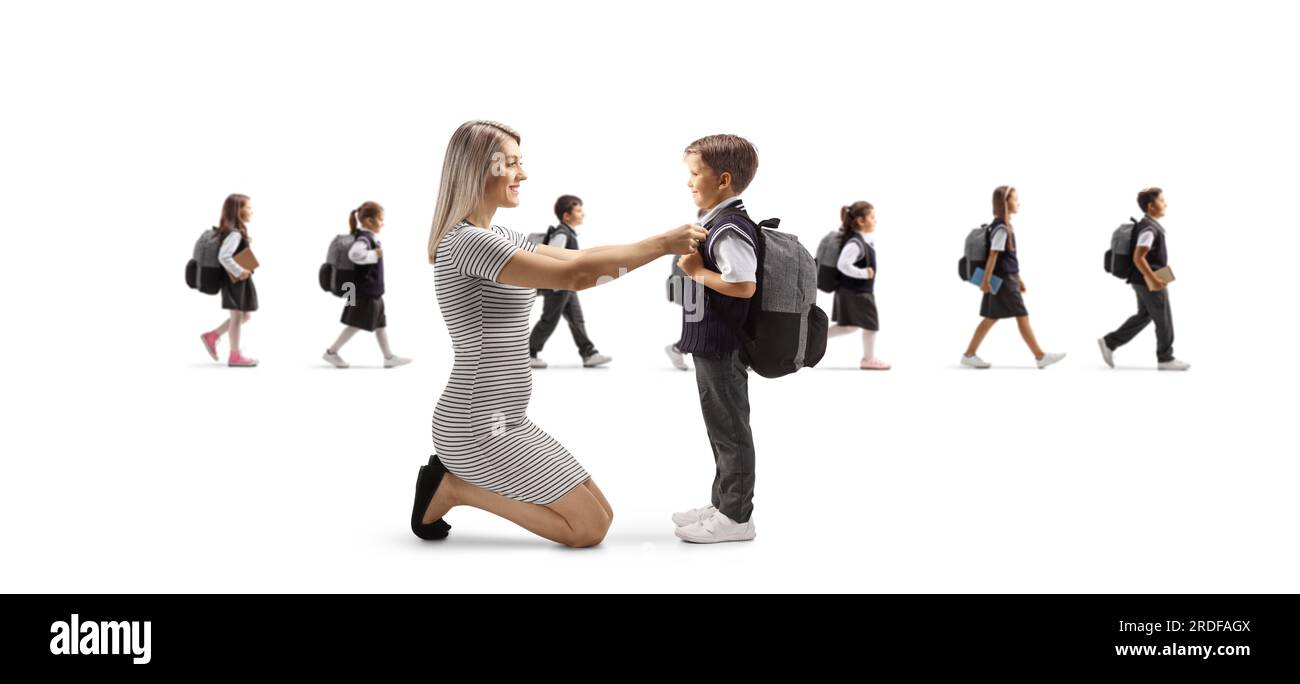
[{"x": 425, "y": 486}]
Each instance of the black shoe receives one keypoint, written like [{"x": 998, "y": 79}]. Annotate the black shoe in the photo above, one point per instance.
[{"x": 425, "y": 486}]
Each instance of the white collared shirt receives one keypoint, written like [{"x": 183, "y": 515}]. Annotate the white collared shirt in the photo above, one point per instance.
[
  {"x": 360, "y": 253},
  {"x": 737, "y": 261},
  {"x": 851, "y": 254}
]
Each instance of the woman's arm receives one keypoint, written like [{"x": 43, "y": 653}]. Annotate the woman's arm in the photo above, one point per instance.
[
  {"x": 565, "y": 254},
  {"x": 987, "y": 285},
  {"x": 594, "y": 266}
]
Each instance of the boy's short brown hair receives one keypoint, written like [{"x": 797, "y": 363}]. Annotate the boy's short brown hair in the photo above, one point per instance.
[
  {"x": 1147, "y": 196},
  {"x": 726, "y": 153}
]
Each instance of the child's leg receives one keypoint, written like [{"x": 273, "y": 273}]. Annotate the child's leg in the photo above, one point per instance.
[
  {"x": 724, "y": 400},
  {"x": 578, "y": 326},
  {"x": 221, "y": 329},
  {"x": 837, "y": 330},
  {"x": 344, "y": 336},
  {"x": 868, "y": 345},
  {"x": 577, "y": 519},
  {"x": 381, "y": 334},
  {"x": 981, "y": 331},
  {"x": 236, "y": 322},
  {"x": 552, "y": 308},
  {"x": 1164, "y": 319},
  {"x": 1028, "y": 333}
]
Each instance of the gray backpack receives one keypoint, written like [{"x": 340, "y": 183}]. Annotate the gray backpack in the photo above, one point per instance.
[
  {"x": 538, "y": 238},
  {"x": 1119, "y": 258},
  {"x": 204, "y": 272},
  {"x": 338, "y": 270},
  {"x": 784, "y": 330},
  {"x": 828, "y": 258},
  {"x": 976, "y": 252}
]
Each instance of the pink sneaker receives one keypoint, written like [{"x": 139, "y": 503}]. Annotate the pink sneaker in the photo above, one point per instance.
[
  {"x": 210, "y": 344},
  {"x": 873, "y": 364},
  {"x": 237, "y": 359}
]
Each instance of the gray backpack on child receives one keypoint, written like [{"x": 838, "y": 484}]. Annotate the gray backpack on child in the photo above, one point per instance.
[
  {"x": 338, "y": 270},
  {"x": 976, "y": 252},
  {"x": 538, "y": 238},
  {"x": 785, "y": 330},
  {"x": 1119, "y": 258},
  {"x": 828, "y": 259},
  {"x": 204, "y": 272}
]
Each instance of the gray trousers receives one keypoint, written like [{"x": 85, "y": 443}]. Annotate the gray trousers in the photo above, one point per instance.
[
  {"x": 723, "y": 381},
  {"x": 556, "y": 303},
  {"x": 1152, "y": 306}
]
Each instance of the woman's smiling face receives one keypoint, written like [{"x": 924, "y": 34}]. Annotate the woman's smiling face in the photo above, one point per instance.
[{"x": 506, "y": 174}]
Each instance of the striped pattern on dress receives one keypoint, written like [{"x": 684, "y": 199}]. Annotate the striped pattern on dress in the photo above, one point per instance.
[{"x": 481, "y": 430}]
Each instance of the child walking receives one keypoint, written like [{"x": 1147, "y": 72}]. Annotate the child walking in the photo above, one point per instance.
[
  {"x": 855, "y": 300},
  {"x": 238, "y": 294},
  {"x": 1007, "y": 302},
  {"x": 364, "y": 309}
]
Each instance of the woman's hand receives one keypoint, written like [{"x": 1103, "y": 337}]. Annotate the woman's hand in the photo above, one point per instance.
[
  {"x": 691, "y": 263},
  {"x": 1022, "y": 286},
  {"x": 683, "y": 239},
  {"x": 986, "y": 287},
  {"x": 245, "y": 275}
]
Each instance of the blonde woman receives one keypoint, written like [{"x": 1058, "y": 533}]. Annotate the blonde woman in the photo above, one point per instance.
[{"x": 489, "y": 454}]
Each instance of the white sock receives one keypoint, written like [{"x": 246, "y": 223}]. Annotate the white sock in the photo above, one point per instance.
[
  {"x": 837, "y": 330},
  {"x": 344, "y": 336},
  {"x": 382, "y": 335},
  {"x": 868, "y": 345}
]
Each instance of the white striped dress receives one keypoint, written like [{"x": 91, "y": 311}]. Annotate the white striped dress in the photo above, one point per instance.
[{"x": 481, "y": 432}]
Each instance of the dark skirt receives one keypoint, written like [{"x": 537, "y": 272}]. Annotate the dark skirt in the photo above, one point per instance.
[
  {"x": 857, "y": 309},
  {"x": 367, "y": 314},
  {"x": 1007, "y": 303},
  {"x": 238, "y": 295}
]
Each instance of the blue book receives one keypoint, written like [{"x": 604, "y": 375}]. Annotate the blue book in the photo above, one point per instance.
[{"x": 977, "y": 279}]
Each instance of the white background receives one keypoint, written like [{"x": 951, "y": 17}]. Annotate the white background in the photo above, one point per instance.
[{"x": 134, "y": 463}]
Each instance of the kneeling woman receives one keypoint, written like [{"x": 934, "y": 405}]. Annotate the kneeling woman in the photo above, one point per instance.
[{"x": 489, "y": 454}]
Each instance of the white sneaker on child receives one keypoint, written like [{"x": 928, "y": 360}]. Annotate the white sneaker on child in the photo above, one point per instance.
[
  {"x": 1107, "y": 354},
  {"x": 334, "y": 359},
  {"x": 974, "y": 361},
  {"x": 596, "y": 360},
  {"x": 1174, "y": 365},
  {"x": 536, "y": 362},
  {"x": 394, "y": 361},
  {"x": 716, "y": 528},
  {"x": 1049, "y": 359},
  {"x": 677, "y": 358},
  {"x": 693, "y": 516}
]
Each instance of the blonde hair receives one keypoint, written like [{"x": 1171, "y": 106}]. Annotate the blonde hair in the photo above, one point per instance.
[{"x": 472, "y": 152}]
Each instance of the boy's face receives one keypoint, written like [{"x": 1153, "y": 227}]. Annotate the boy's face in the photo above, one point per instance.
[
  {"x": 708, "y": 188},
  {"x": 1157, "y": 208},
  {"x": 575, "y": 216}
]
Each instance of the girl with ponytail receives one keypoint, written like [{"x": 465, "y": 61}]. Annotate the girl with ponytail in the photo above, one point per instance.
[
  {"x": 363, "y": 308},
  {"x": 855, "y": 298}
]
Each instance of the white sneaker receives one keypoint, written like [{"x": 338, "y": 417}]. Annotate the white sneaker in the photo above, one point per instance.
[
  {"x": 974, "y": 361},
  {"x": 1049, "y": 359},
  {"x": 334, "y": 359},
  {"x": 1107, "y": 354},
  {"x": 677, "y": 358},
  {"x": 716, "y": 528},
  {"x": 693, "y": 516},
  {"x": 394, "y": 361},
  {"x": 1174, "y": 365},
  {"x": 536, "y": 362},
  {"x": 596, "y": 360}
]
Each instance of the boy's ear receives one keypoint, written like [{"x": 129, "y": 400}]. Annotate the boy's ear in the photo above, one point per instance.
[{"x": 724, "y": 180}]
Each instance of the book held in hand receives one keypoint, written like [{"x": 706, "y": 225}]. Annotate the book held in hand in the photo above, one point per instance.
[
  {"x": 246, "y": 261},
  {"x": 977, "y": 279}
]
